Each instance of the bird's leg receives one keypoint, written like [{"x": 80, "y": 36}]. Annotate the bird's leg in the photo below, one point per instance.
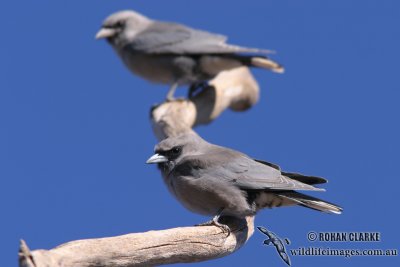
[
  {"x": 196, "y": 87},
  {"x": 214, "y": 221},
  {"x": 171, "y": 92}
]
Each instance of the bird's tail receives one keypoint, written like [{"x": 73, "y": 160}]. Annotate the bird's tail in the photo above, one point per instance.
[
  {"x": 266, "y": 63},
  {"x": 311, "y": 202},
  {"x": 259, "y": 61}
]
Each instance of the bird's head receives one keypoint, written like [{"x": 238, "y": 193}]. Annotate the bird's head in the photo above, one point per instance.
[
  {"x": 121, "y": 27},
  {"x": 170, "y": 151}
]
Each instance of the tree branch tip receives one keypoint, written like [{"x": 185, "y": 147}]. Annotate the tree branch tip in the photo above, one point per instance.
[{"x": 24, "y": 255}]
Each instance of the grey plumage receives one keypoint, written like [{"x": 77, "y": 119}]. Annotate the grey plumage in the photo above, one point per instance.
[
  {"x": 175, "y": 54},
  {"x": 208, "y": 179}
]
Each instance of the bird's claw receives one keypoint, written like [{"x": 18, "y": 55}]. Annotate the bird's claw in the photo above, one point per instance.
[
  {"x": 214, "y": 222},
  {"x": 224, "y": 228}
]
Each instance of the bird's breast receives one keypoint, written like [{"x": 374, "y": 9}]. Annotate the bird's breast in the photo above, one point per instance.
[
  {"x": 160, "y": 68},
  {"x": 150, "y": 67},
  {"x": 206, "y": 195}
]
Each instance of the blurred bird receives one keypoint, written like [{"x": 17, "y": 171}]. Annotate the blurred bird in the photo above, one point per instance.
[
  {"x": 213, "y": 180},
  {"x": 175, "y": 54}
]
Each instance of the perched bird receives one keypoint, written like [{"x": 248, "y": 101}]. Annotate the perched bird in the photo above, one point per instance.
[
  {"x": 175, "y": 54},
  {"x": 214, "y": 180}
]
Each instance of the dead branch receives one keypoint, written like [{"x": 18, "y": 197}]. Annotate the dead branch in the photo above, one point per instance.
[
  {"x": 235, "y": 89},
  {"x": 177, "y": 245}
]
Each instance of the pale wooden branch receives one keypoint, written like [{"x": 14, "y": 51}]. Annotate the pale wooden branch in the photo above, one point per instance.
[
  {"x": 235, "y": 89},
  {"x": 177, "y": 245}
]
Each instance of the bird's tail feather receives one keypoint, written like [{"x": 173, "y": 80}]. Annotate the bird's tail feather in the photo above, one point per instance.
[
  {"x": 266, "y": 63},
  {"x": 306, "y": 179},
  {"x": 259, "y": 61},
  {"x": 311, "y": 202}
]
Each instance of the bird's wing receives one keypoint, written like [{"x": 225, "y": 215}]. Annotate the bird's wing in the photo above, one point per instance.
[
  {"x": 172, "y": 38},
  {"x": 254, "y": 175},
  {"x": 273, "y": 165},
  {"x": 306, "y": 179},
  {"x": 240, "y": 170}
]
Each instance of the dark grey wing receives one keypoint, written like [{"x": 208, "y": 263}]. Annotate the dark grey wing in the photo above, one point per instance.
[
  {"x": 268, "y": 164},
  {"x": 305, "y": 178},
  {"x": 240, "y": 170},
  {"x": 160, "y": 37},
  {"x": 296, "y": 176},
  {"x": 172, "y": 38},
  {"x": 254, "y": 175}
]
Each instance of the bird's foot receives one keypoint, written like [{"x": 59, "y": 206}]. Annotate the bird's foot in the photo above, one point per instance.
[
  {"x": 214, "y": 222},
  {"x": 171, "y": 92},
  {"x": 169, "y": 98}
]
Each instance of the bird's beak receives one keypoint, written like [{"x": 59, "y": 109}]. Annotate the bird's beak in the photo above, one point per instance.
[
  {"x": 105, "y": 33},
  {"x": 156, "y": 158}
]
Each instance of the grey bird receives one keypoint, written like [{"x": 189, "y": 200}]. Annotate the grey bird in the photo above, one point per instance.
[
  {"x": 174, "y": 54},
  {"x": 218, "y": 181}
]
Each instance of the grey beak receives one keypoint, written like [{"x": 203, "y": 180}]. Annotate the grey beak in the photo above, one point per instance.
[
  {"x": 156, "y": 158},
  {"x": 105, "y": 33}
]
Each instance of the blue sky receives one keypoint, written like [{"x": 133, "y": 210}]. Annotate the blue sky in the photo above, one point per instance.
[{"x": 75, "y": 133}]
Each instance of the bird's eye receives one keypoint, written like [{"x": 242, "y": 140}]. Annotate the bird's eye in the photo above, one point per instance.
[
  {"x": 119, "y": 24},
  {"x": 176, "y": 150}
]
